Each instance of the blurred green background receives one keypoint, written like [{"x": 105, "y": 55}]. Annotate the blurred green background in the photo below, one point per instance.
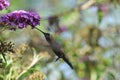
[{"x": 88, "y": 31}]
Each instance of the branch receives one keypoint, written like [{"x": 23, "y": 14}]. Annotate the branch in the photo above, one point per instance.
[
  {"x": 77, "y": 7},
  {"x": 36, "y": 58}
]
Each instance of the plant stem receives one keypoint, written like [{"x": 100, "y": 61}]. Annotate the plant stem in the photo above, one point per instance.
[{"x": 35, "y": 60}]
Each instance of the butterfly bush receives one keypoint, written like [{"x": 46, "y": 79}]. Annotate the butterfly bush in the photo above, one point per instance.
[
  {"x": 20, "y": 19},
  {"x": 4, "y": 4}
]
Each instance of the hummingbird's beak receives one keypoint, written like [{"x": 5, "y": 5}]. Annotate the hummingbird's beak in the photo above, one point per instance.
[{"x": 40, "y": 30}]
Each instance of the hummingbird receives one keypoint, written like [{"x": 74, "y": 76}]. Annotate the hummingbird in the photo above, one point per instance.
[{"x": 57, "y": 49}]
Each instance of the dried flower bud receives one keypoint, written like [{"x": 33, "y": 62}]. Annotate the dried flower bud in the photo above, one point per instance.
[
  {"x": 6, "y": 47},
  {"x": 37, "y": 76}
]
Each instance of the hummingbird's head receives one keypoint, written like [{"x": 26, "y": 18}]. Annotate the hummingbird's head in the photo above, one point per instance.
[{"x": 48, "y": 37}]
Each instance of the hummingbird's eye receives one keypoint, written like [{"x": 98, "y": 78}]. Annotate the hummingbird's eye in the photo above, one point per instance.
[{"x": 48, "y": 34}]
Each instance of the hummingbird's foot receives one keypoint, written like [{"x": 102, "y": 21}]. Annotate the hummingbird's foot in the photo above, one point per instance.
[{"x": 57, "y": 59}]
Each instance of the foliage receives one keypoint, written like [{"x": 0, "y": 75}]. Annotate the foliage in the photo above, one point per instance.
[
  {"x": 88, "y": 31},
  {"x": 17, "y": 68}
]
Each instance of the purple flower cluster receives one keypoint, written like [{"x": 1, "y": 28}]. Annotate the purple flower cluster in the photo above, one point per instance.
[
  {"x": 4, "y": 4},
  {"x": 20, "y": 19}
]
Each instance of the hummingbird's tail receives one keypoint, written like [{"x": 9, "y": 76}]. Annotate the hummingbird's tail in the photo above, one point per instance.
[{"x": 68, "y": 62}]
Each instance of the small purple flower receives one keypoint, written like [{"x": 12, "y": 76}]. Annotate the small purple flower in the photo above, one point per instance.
[
  {"x": 20, "y": 19},
  {"x": 4, "y": 4}
]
